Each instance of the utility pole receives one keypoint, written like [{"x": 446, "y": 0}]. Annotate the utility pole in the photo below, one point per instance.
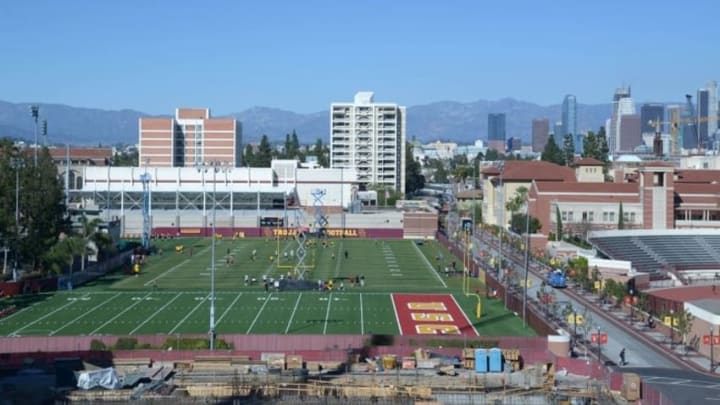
[
  {"x": 527, "y": 255},
  {"x": 35, "y": 113}
]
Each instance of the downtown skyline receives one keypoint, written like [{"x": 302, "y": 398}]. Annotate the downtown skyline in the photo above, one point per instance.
[{"x": 301, "y": 58}]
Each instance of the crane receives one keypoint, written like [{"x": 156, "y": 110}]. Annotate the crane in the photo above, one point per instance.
[{"x": 687, "y": 118}]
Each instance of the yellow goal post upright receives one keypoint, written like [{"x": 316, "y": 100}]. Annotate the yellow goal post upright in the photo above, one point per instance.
[{"x": 467, "y": 261}]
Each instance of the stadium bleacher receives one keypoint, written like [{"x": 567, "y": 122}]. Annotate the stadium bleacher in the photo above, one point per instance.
[{"x": 651, "y": 252}]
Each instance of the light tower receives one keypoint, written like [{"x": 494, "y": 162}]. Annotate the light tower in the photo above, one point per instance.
[
  {"x": 35, "y": 113},
  {"x": 145, "y": 179}
]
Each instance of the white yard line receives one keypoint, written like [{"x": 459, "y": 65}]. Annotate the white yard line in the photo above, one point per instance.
[
  {"x": 85, "y": 313},
  {"x": 227, "y": 309},
  {"x": 293, "y": 313},
  {"x": 464, "y": 315},
  {"x": 429, "y": 265},
  {"x": 189, "y": 314},
  {"x": 119, "y": 314},
  {"x": 267, "y": 299},
  {"x": 155, "y": 313},
  {"x": 362, "y": 318},
  {"x": 327, "y": 313},
  {"x": 17, "y": 312},
  {"x": 397, "y": 316},
  {"x": 175, "y": 267},
  {"x": 43, "y": 317}
]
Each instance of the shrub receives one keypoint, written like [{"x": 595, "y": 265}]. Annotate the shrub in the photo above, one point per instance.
[
  {"x": 97, "y": 345},
  {"x": 126, "y": 343}
]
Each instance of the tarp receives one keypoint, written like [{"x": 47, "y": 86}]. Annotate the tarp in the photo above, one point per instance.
[{"x": 104, "y": 378}]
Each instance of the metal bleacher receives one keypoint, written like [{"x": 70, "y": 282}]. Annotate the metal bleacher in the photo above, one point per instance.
[{"x": 651, "y": 252}]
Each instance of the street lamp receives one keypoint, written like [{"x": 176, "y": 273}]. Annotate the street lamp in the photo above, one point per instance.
[
  {"x": 203, "y": 168},
  {"x": 712, "y": 347},
  {"x": 672, "y": 332},
  {"x": 35, "y": 113},
  {"x": 527, "y": 255},
  {"x": 599, "y": 347},
  {"x": 17, "y": 164}
]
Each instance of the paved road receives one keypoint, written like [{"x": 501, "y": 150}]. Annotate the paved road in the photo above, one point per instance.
[
  {"x": 682, "y": 387},
  {"x": 638, "y": 353}
]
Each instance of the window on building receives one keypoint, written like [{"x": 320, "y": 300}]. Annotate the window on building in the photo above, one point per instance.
[
  {"x": 591, "y": 216},
  {"x": 564, "y": 215},
  {"x": 632, "y": 217},
  {"x": 570, "y": 216},
  {"x": 612, "y": 217},
  {"x": 584, "y": 216},
  {"x": 606, "y": 216}
]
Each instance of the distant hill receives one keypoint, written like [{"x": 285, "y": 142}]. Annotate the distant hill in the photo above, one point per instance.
[{"x": 445, "y": 120}]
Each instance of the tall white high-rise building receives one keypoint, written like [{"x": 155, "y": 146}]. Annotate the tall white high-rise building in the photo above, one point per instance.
[
  {"x": 712, "y": 108},
  {"x": 369, "y": 137},
  {"x": 622, "y": 105}
]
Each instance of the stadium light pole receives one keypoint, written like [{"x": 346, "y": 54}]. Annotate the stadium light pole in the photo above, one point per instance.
[
  {"x": 17, "y": 163},
  {"x": 35, "y": 113}
]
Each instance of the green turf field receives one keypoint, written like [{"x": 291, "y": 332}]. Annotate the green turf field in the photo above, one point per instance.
[{"x": 171, "y": 294}]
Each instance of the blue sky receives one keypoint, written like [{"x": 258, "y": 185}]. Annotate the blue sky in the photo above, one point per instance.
[{"x": 302, "y": 55}]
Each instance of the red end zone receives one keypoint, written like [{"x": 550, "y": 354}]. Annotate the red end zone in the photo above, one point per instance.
[{"x": 431, "y": 314}]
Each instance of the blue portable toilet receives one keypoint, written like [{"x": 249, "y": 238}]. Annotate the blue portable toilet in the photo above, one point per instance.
[
  {"x": 481, "y": 361},
  {"x": 495, "y": 358}
]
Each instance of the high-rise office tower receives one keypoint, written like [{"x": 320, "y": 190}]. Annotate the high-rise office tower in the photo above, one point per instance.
[
  {"x": 712, "y": 108},
  {"x": 191, "y": 138},
  {"x": 630, "y": 132},
  {"x": 569, "y": 115},
  {"x": 540, "y": 133},
  {"x": 496, "y": 132},
  {"x": 622, "y": 105},
  {"x": 369, "y": 137},
  {"x": 651, "y": 112},
  {"x": 703, "y": 116},
  {"x": 558, "y": 132}
]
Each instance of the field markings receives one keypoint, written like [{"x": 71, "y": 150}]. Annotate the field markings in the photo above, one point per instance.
[
  {"x": 228, "y": 309},
  {"x": 119, "y": 314},
  {"x": 44, "y": 316},
  {"x": 267, "y": 299},
  {"x": 362, "y": 318},
  {"x": 155, "y": 313},
  {"x": 397, "y": 315},
  {"x": 85, "y": 313},
  {"x": 18, "y": 312},
  {"x": 327, "y": 313},
  {"x": 173, "y": 268},
  {"x": 464, "y": 315},
  {"x": 428, "y": 264},
  {"x": 189, "y": 314},
  {"x": 293, "y": 313}
]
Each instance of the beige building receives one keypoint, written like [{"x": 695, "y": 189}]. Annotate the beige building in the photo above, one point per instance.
[{"x": 192, "y": 137}]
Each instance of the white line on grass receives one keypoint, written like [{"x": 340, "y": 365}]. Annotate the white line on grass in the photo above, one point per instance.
[
  {"x": 85, "y": 313},
  {"x": 16, "y": 313},
  {"x": 155, "y": 313},
  {"x": 397, "y": 316},
  {"x": 189, "y": 314},
  {"x": 464, "y": 315},
  {"x": 44, "y": 316},
  {"x": 293, "y": 313},
  {"x": 327, "y": 313},
  {"x": 227, "y": 310},
  {"x": 267, "y": 299},
  {"x": 119, "y": 314},
  {"x": 175, "y": 267},
  {"x": 362, "y": 318},
  {"x": 428, "y": 264}
]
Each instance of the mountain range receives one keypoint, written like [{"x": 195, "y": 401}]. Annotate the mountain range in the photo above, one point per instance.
[{"x": 445, "y": 121}]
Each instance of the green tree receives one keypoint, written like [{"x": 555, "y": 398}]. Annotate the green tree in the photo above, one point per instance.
[
  {"x": 568, "y": 149},
  {"x": 519, "y": 224},
  {"x": 64, "y": 252},
  {"x": 517, "y": 201},
  {"x": 621, "y": 217},
  {"x": 294, "y": 145},
  {"x": 322, "y": 153},
  {"x": 493, "y": 155},
  {"x": 414, "y": 180},
  {"x": 42, "y": 208},
  {"x": 552, "y": 152},
  {"x": 559, "y": 224},
  {"x": 287, "y": 152},
  {"x": 264, "y": 154},
  {"x": 90, "y": 235},
  {"x": 590, "y": 146},
  {"x": 249, "y": 156}
]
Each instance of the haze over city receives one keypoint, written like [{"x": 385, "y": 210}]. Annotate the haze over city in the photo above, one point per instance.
[{"x": 155, "y": 56}]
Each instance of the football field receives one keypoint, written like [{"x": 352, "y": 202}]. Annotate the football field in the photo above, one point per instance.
[{"x": 401, "y": 293}]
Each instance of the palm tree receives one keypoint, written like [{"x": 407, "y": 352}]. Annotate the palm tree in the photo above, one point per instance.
[
  {"x": 517, "y": 201},
  {"x": 64, "y": 252},
  {"x": 93, "y": 240}
]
